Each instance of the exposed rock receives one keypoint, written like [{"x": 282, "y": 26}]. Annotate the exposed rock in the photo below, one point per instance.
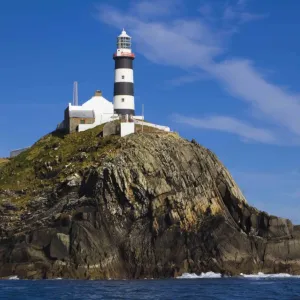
[
  {"x": 111, "y": 128},
  {"x": 8, "y": 206},
  {"x": 73, "y": 180},
  {"x": 60, "y": 245},
  {"x": 155, "y": 205}
]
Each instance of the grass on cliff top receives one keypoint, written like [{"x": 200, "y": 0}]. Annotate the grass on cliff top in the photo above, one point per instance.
[
  {"x": 54, "y": 157},
  {"x": 3, "y": 161}
]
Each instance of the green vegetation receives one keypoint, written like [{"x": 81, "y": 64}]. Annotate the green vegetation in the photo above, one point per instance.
[
  {"x": 55, "y": 156},
  {"x": 3, "y": 161}
]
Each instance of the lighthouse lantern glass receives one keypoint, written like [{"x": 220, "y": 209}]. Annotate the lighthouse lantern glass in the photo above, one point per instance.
[{"x": 124, "y": 42}]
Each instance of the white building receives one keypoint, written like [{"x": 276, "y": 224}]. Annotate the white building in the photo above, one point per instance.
[{"x": 91, "y": 113}]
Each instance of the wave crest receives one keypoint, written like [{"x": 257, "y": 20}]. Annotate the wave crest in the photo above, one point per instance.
[
  {"x": 13, "y": 278},
  {"x": 202, "y": 275},
  {"x": 263, "y": 275}
]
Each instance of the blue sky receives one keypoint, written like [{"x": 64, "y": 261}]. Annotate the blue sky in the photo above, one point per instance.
[{"x": 223, "y": 72}]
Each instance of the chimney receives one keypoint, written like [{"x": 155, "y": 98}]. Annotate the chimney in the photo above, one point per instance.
[{"x": 98, "y": 93}]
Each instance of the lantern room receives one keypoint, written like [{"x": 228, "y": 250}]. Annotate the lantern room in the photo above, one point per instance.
[{"x": 124, "y": 40}]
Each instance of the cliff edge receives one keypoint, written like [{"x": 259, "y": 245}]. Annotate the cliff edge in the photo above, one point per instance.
[{"x": 145, "y": 206}]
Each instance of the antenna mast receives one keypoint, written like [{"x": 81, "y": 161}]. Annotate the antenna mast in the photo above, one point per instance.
[
  {"x": 143, "y": 117},
  {"x": 75, "y": 93}
]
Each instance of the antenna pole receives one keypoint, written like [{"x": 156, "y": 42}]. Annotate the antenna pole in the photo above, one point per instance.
[
  {"x": 75, "y": 93},
  {"x": 143, "y": 118}
]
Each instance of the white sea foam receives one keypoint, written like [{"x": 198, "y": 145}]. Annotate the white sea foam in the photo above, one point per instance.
[
  {"x": 259, "y": 275},
  {"x": 13, "y": 278},
  {"x": 262, "y": 275},
  {"x": 202, "y": 275}
]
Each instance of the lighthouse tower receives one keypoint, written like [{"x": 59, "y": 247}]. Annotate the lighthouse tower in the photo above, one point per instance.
[{"x": 123, "y": 85}]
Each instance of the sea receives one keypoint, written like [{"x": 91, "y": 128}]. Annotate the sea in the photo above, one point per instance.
[{"x": 188, "y": 286}]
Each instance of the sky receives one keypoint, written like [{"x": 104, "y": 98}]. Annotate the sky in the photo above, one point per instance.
[{"x": 224, "y": 72}]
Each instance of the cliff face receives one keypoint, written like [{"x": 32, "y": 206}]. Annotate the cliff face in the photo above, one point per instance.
[{"x": 153, "y": 205}]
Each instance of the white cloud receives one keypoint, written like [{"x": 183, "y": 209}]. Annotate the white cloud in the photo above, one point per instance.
[
  {"x": 239, "y": 14},
  {"x": 189, "y": 78},
  {"x": 155, "y": 8},
  {"x": 195, "y": 45},
  {"x": 247, "y": 17},
  {"x": 243, "y": 81},
  {"x": 229, "y": 125}
]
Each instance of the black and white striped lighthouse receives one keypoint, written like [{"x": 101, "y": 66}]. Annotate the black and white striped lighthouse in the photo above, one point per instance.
[{"x": 123, "y": 86}]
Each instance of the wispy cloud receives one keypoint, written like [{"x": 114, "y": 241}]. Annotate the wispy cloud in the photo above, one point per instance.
[
  {"x": 237, "y": 12},
  {"x": 230, "y": 125},
  {"x": 243, "y": 81},
  {"x": 155, "y": 8},
  {"x": 188, "y": 78},
  {"x": 228, "y": 14},
  {"x": 201, "y": 43}
]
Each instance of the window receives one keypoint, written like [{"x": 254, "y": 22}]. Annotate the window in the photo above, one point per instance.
[
  {"x": 123, "y": 76},
  {"x": 82, "y": 121},
  {"x": 123, "y": 42},
  {"x": 123, "y": 99}
]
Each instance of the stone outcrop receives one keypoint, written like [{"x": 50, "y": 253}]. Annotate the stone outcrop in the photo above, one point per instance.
[{"x": 158, "y": 207}]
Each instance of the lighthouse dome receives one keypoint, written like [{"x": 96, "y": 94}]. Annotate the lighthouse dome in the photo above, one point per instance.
[{"x": 124, "y": 34}]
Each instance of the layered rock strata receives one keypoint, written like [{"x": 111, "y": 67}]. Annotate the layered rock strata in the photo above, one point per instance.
[{"x": 158, "y": 207}]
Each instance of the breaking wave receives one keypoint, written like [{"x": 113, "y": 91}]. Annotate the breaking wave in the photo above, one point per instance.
[
  {"x": 263, "y": 275},
  {"x": 259, "y": 275},
  {"x": 202, "y": 275},
  {"x": 13, "y": 278}
]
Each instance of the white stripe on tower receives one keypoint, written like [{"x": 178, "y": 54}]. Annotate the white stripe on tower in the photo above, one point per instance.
[
  {"x": 124, "y": 75},
  {"x": 123, "y": 86}
]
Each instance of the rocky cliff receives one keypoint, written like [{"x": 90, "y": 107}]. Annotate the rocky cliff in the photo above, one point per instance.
[{"x": 147, "y": 205}]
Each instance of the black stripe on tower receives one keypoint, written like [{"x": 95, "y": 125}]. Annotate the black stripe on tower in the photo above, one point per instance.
[
  {"x": 123, "y": 62},
  {"x": 123, "y": 88},
  {"x": 124, "y": 111}
]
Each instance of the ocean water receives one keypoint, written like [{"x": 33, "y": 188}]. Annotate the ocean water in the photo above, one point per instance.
[{"x": 189, "y": 286}]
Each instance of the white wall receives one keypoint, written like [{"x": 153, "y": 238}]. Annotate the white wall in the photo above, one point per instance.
[
  {"x": 103, "y": 109},
  {"x": 164, "y": 128},
  {"x": 84, "y": 127},
  {"x": 127, "y": 128},
  {"x": 138, "y": 118},
  {"x": 122, "y": 50}
]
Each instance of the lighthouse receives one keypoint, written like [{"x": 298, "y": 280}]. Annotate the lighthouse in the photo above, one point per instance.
[{"x": 123, "y": 84}]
